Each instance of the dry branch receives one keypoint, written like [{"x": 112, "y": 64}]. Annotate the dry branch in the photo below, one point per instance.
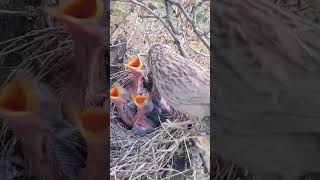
[{"x": 193, "y": 23}]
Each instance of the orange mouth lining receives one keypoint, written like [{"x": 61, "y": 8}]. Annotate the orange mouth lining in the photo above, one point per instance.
[
  {"x": 17, "y": 98},
  {"x": 141, "y": 100},
  {"x": 135, "y": 63},
  {"x": 81, "y": 9},
  {"x": 95, "y": 122},
  {"x": 115, "y": 92}
]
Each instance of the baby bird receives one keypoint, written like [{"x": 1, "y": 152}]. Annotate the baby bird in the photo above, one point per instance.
[
  {"x": 20, "y": 104},
  {"x": 151, "y": 119},
  {"x": 93, "y": 123},
  {"x": 119, "y": 97},
  {"x": 144, "y": 106},
  {"x": 85, "y": 82},
  {"x": 33, "y": 114},
  {"x": 135, "y": 67}
]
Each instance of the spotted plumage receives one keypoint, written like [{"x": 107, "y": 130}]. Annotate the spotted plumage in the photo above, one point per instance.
[
  {"x": 184, "y": 84},
  {"x": 266, "y": 89}
]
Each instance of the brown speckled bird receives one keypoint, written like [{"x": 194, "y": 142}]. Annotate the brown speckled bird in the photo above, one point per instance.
[
  {"x": 267, "y": 89},
  {"x": 85, "y": 82},
  {"x": 181, "y": 82}
]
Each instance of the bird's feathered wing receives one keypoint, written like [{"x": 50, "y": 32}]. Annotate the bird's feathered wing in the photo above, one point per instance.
[
  {"x": 193, "y": 80},
  {"x": 273, "y": 60}
]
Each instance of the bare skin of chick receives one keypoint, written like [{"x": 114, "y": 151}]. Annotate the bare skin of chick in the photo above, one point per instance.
[
  {"x": 135, "y": 67},
  {"x": 119, "y": 97}
]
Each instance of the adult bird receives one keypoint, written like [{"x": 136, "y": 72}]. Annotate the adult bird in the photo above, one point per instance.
[
  {"x": 84, "y": 83},
  {"x": 266, "y": 89},
  {"x": 181, "y": 82}
]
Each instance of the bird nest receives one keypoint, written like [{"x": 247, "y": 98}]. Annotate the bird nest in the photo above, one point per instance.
[
  {"x": 164, "y": 153},
  {"x": 150, "y": 156}
]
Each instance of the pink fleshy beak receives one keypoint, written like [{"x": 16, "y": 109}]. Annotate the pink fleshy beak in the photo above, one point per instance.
[
  {"x": 141, "y": 103},
  {"x": 135, "y": 66},
  {"x": 19, "y": 105},
  {"x": 116, "y": 96}
]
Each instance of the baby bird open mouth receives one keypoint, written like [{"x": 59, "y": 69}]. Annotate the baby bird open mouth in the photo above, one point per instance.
[
  {"x": 135, "y": 64},
  {"x": 115, "y": 92},
  {"x": 81, "y": 9},
  {"x": 17, "y": 98},
  {"x": 135, "y": 67},
  {"x": 93, "y": 123},
  {"x": 141, "y": 101},
  {"x": 78, "y": 11}
]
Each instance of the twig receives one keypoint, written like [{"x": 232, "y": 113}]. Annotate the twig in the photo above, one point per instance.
[
  {"x": 20, "y": 13},
  {"x": 195, "y": 8},
  {"x": 176, "y": 39},
  {"x": 136, "y": 23},
  {"x": 175, "y": 30},
  {"x": 198, "y": 52},
  {"x": 193, "y": 23},
  {"x": 141, "y": 16},
  {"x": 121, "y": 22}
]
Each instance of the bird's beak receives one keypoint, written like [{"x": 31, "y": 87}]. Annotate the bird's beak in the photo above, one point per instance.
[
  {"x": 81, "y": 18},
  {"x": 78, "y": 11},
  {"x": 135, "y": 65},
  {"x": 19, "y": 105},
  {"x": 93, "y": 123},
  {"x": 17, "y": 99},
  {"x": 116, "y": 94},
  {"x": 141, "y": 101}
]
